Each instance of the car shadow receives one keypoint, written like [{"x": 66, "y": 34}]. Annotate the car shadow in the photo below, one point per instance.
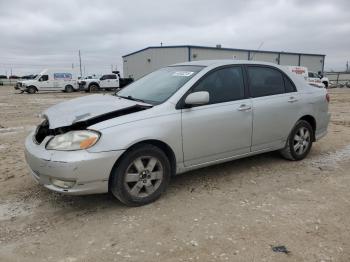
[{"x": 186, "y": 182}]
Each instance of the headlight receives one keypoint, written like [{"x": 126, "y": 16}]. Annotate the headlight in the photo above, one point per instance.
[{"x": 73, "y": 140}]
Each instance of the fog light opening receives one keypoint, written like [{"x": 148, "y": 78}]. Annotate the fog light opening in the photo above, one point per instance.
[{"x": 62, "y": 184}]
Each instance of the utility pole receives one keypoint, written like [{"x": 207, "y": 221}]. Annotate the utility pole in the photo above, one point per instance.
[
  {"x": 11, "y": 71},
  {"x": 347, "y": 66},
  {"x": 72, "y": 65},
  {"x": 81, "y": 73}
]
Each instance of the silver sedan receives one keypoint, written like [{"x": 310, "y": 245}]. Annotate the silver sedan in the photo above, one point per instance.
[{"x": 179, "y": 118}]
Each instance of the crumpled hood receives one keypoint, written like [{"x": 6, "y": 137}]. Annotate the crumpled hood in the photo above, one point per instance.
[{"x": 84, "y": 108}]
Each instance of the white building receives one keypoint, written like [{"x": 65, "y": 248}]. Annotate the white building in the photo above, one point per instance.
[{"x": 144, "y": 61}]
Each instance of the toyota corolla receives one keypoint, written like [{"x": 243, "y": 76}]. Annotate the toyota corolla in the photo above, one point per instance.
[{"x": 178, "y": 118}]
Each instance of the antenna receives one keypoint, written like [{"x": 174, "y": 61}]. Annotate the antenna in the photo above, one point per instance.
[
  {"x": 81, "y": 73},
  {"x": 261, "y": 44}
]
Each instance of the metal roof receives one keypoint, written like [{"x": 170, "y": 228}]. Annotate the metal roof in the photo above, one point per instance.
[
  {"x": 221, "y": 62},
  {"x": 221, "y": 48}
]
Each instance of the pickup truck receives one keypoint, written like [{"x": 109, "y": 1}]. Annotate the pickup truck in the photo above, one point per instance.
[{"x": 107, "y": 82}]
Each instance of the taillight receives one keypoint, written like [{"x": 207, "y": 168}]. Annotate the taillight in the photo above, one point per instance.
[{"x": 327, "y": 97}]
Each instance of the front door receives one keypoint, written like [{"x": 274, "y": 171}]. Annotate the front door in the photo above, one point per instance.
[
  {"x": 222, "y": 128},
  {"x": 45, "y": 83},
  {"x": 109, "y": 81}
]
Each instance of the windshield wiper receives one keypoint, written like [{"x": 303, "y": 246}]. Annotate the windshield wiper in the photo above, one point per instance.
[{"x": 132, "y": 98}]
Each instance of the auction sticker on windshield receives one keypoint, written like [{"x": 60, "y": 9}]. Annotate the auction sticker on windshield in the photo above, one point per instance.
[{"x": 183, "y": 73}]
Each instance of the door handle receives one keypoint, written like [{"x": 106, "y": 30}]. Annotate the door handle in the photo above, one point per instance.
[
  {"x": 244, "y": 107},
  {"x": 292, "y": 99}
]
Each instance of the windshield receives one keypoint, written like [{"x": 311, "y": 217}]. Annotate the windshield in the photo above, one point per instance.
[{"x": 158, "y": 86}]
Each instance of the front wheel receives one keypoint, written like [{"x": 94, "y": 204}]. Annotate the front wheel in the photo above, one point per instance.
[
  {"x": 141, "y": 176},
  {"x": 299, "y": 142},
  {"x": 31, "y": 90},
  {"x": 93, "y": 88}
]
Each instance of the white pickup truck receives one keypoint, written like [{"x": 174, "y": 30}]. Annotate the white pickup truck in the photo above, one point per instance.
[
  {"x": 312, "y": 78},
  {"x": 108, "y": 82}
]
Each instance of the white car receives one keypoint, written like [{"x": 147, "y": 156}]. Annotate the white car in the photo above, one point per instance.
[
  {"x": 51, "y": 80},
  {"x": 178, "y": 118},
  {"x": 318, "y": 80},
  {"x": 108, "y": 82}
]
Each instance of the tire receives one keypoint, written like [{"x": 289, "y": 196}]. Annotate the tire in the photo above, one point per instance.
[
  {"x": 69, "y": 89},
  {"x": 298, "y": 145},
  {"x": 94, "y": 88},
  {"x": 141, "y": 176},
  {"x": 31, "y": 90},
  {"x": 325, "y": 84}
]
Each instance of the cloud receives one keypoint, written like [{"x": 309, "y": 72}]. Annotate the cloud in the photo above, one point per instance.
[{"x": 47, "y": 33}]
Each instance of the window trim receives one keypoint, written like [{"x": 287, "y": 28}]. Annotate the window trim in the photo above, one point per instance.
[
  {"x": 284, "y": 75},
  {"x": 181, "y": 103}
]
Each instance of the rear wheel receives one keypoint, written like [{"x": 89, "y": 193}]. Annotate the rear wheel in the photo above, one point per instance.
[
  {"x": 141, "y": 176},
  {"x": 69, "y": 89},
  {"x": 299, "y": 142},
  {"x": 31, "y": 89}
]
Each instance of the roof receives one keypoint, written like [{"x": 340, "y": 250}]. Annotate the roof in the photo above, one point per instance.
[
  {"x": 220, "y": 48},
  {"x": 223, "y": 62}
]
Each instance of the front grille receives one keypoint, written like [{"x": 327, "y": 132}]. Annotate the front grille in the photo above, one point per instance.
[{"x": 42, "y": 131}]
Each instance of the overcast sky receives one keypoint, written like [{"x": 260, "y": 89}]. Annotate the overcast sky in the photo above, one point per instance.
[{"x": 42, "y": 33}]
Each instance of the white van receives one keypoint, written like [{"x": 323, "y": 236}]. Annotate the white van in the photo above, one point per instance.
[
  {"x": 312, "y": 78},
  {"x": 52, "y": 80}
]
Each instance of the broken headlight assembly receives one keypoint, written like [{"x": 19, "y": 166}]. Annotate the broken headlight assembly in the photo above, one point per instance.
[{"x": 73, "y": 140}]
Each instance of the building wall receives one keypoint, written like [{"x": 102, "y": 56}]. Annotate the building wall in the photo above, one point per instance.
[
  {"x": 149, "y": 60},
  {"x": 210, "y": 54},
  {"x": 313, "y": 63},
  {"x": 141, "y": 63},
  {"x": 289, "y": 59},
  {"x": 266, "y": 57}
]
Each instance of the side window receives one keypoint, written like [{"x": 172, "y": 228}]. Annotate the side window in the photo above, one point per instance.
[
  {"x": 223, "y": 85},
  {"x": 288, "y": 85},
  {"x": 44, "y": 78},
  {"x": 264, "y": 81},
  {"x": 112, "y": 76}
]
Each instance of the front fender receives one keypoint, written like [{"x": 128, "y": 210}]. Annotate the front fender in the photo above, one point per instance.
[{"x": 166, "y": 128}]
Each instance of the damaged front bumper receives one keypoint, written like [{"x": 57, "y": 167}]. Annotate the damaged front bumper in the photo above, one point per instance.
[{"x": 70, "y": 172}]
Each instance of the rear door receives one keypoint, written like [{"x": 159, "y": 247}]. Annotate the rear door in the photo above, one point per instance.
[
  {"x": 223, "y": 127},
  {"x": 275, "y": 106}
]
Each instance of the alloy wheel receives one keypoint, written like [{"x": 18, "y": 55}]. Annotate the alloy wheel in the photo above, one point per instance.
[
  {"x": 143, "y": 176},
  {"x": 301, "y": 141}
]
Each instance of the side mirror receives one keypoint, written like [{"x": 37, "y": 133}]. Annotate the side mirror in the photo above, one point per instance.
[{"x": 197, "y": 98}]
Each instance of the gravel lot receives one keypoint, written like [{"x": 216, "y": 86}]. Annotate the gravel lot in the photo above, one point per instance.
[{"x": 230, "y": 212}]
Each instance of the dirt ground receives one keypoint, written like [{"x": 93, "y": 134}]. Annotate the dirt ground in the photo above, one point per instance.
[{"x": 230, "y": 212}]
